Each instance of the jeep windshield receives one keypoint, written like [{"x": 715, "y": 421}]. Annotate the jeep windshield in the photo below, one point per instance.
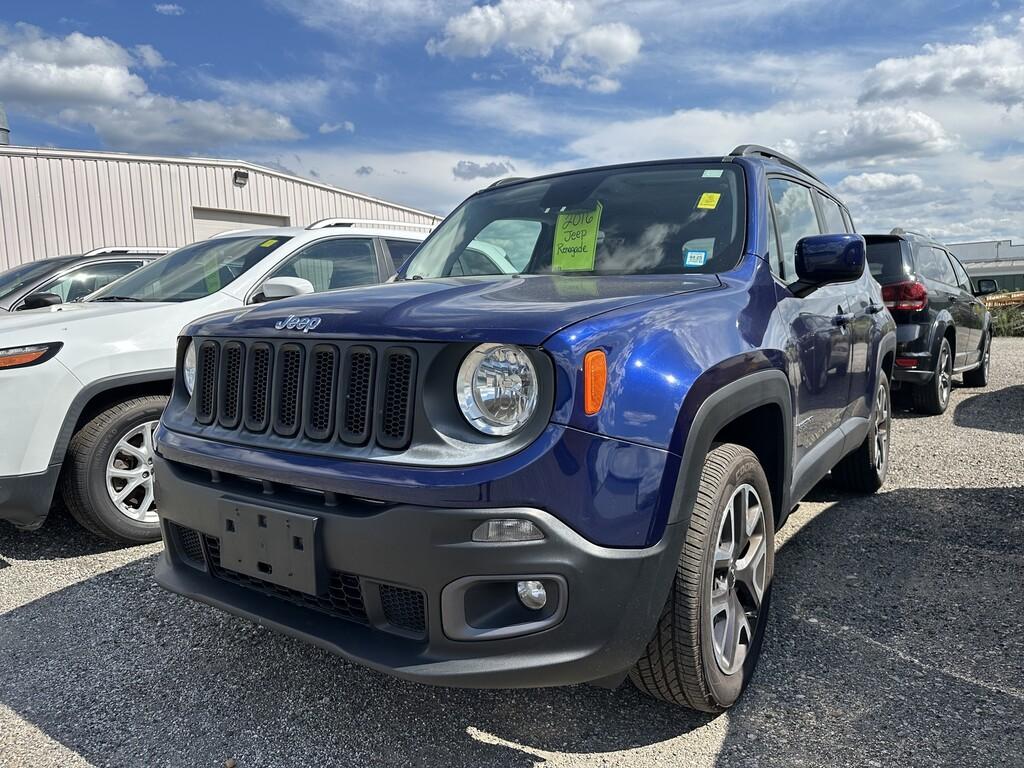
[
  {"x": 192, "y": 272},
  {"x": 670, "y": 218}
]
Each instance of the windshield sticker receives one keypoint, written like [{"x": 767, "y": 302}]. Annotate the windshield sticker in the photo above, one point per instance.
[
  {"x": 709, "y": 201},
  {"x": 268, "y": 243},
  {"x": 709, "y": 174},
  {"x": 576, "y": 240},
  {"x": 695, "y": 258}
]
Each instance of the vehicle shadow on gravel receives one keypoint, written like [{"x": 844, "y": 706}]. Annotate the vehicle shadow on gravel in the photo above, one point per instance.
[
  {"x": 1000, "y": 410},
  {"x": 895, "y": 625},
  {"x": 59, "y": 538},
  {"x": 892, "y": 628}
]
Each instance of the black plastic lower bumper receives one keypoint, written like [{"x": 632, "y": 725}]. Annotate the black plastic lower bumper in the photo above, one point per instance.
[
  {"x": 606, "y": 601},
  {"x": 25, "y": 499}
]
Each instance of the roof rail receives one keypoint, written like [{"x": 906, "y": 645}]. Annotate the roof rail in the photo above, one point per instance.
[
  {"x": 746, "y": 150},
  {"x": 899, "y": 231},
  {"x": 111, "y": 250},
  {"x": 398, "y": 225},
  {"x": 507, "y": 180}
]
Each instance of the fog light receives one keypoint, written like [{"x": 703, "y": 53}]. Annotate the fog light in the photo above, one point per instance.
[
  {"x": 512, "y": 529},
  {"x": 532, "y": 594}
]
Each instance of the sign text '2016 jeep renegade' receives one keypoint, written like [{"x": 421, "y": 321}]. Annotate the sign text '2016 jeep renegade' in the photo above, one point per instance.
[{"x": 562, "y": 463}]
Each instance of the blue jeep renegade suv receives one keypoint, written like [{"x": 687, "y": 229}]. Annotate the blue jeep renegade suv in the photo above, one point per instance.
[{"x": 557, "y": 448}]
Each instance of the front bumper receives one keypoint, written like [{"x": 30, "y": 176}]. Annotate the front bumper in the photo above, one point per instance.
[
  {"x": 608, "y": 599},
  {"x": 25, "y": 499}
]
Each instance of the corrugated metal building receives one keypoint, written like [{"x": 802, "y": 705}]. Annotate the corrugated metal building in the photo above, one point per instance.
[
  {"x": 1000, "y": 259},
  {"x": 58, "y": 201}
]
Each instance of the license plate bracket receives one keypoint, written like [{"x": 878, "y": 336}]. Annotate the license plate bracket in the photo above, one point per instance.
[{"x": 273, "y": 545}]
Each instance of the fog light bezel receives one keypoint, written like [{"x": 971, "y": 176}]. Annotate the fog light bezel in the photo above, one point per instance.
[{"x": 456, "y": 625}]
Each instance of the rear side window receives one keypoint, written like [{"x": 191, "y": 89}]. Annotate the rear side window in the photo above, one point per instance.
[
  {"x": 794, "y": 213},
  {"x": 333, "y": 264},
  {"x": 400, "y": 251},
  {"x": 887, "y": 260},
  {"x": 934, "y": 264},
  {"x": 834, "y": 222}
]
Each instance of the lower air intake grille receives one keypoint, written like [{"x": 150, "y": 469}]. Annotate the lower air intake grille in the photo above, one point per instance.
[
  {"x": 404, "y": 608},
  {"x": 188, "y": 543},
  {"x": 344, "y": 598}
]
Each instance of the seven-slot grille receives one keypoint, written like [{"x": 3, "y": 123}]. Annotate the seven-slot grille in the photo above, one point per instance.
[{"x": 320, "y": 391}]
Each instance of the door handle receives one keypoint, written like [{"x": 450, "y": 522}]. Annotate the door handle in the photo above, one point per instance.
[
  {"x": 874, "y": 309},
  {"x": 843, "y": 319}
]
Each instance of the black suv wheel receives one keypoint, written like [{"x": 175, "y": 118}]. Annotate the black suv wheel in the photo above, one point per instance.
[
  {"x": 933, "y": 396},
  {"x": 979, "y": 376}
]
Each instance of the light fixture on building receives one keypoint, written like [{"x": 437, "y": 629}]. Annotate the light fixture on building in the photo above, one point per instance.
[{"x": 241, "y": 178}]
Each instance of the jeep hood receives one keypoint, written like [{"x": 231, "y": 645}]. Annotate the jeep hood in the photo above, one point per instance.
[{"x": 523, "y": 309}]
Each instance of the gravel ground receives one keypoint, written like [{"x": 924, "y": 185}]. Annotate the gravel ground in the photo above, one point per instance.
[{"x": 895, "y": 639}]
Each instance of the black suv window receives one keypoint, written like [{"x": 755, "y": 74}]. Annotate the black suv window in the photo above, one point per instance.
[
  {"x": 794, "y": 213},
  {"x": 933, "y": 264},
  {"x": 962, "y": 278},
  {"x": 887, "y": 260}
]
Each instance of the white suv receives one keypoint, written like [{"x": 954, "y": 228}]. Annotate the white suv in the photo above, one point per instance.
[{"x": 82, "y": 385}]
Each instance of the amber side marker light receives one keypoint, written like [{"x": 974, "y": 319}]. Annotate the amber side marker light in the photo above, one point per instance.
[
  {"x": 595, "y": 377},
  {"x": 19, "y": 357}
]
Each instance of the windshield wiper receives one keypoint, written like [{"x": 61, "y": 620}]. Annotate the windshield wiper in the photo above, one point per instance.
[{"x": 117, "y": 298}]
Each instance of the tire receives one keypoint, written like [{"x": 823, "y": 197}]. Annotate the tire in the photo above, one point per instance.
[
  {"x": 979, "y": 376},
  {"x": 682, "y": 663},
  {"x": 97, "y": 446},
  {"x": 933, "y": 398},
  {"x": 864, "y": 469}
]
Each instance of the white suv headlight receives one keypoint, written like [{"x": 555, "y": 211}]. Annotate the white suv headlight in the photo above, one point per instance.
[
  {"x": 188, "y": 368},
  {"x": 497, "y": 388}
]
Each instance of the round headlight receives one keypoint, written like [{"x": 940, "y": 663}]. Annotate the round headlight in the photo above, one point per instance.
[
  {"x": 188, "y": 368},
  {"x": 497, "y": 388}
]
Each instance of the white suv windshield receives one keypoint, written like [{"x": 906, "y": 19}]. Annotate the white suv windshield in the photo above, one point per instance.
[
  {"x": 193, "y": 272},
  {"x": 666, "y": 218}
]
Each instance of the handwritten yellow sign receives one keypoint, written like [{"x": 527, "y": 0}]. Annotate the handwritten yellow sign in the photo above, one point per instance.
[
  {"x": 709, "y": 201},
  {"x": 576, "y": 240}
]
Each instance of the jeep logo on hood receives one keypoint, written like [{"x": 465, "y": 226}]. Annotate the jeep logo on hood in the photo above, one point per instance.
[{"x": 297, "y": 323}]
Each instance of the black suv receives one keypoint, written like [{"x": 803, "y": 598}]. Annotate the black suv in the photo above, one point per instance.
[{"x": 943, "y": 329}]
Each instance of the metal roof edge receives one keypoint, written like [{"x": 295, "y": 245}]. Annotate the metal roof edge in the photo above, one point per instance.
[{"x": 95, "y": 154}]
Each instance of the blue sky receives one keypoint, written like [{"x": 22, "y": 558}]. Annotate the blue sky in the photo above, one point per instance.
[{"x": 913, "y": 112}]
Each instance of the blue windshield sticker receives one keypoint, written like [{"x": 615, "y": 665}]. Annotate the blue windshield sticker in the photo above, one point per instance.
[{"x": 695, "y": 258}]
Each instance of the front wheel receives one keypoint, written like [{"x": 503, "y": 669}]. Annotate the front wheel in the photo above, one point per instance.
[
  {"x": 864, "y": 470},
  {"x": 107, "y": 483},
  {"x": 709, "y": 635}
]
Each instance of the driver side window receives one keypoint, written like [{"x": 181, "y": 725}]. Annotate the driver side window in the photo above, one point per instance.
[
  {"x": 796, "y": 217},
  {"x": 332, "y": 264},
  {"x": 80, "y": 282}
]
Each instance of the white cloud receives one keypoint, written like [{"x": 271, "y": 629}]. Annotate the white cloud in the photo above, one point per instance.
[
  {"x": 169, "y": 9},
  {"x": 880, "y": 183},
  {"x": 304, "y": 94},
  {"x": 877, "y": 135},
  {"x": 149, "y": 56},
  {"x": 469, "y": 169},
  {"x": 991, "y": 69},
  {"x": 81, "y": 80},
  {"x": 367, "y": 18},
  {"x": 347, "y": 125},
  {"x": 541, "y": 31}
]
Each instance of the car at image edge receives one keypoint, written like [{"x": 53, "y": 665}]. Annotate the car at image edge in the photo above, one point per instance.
[
  {"x": 82, "y": 385},
  {"x": 942, "y": 327},
  {"x": 568, "y": 474}
]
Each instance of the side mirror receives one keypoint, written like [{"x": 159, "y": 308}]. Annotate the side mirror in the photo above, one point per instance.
[
  {"x": 986, "y": 285},
  {"x": 825, "y": 259},
  {"x": 285, "y": 288},
  {"x": 40, "y": 300}
]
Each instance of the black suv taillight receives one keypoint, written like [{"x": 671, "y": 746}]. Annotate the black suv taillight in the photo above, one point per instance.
[{"x": 910, "y": 296}]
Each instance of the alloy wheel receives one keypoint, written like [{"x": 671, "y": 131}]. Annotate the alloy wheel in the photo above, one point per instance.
[
  {"x": 945, "y": 374},
  {"x": 129, "y": 475},
  {"x": 738, "y": 578},
  {"x": 883, "y": 420}
]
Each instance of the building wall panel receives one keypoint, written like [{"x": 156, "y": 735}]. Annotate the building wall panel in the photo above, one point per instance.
[{"x": 55, "y": 202}]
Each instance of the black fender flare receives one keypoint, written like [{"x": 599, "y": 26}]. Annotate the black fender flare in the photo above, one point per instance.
[
  {"x": 765, "y": 387},
  {"x": 90, "y": 392}
]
